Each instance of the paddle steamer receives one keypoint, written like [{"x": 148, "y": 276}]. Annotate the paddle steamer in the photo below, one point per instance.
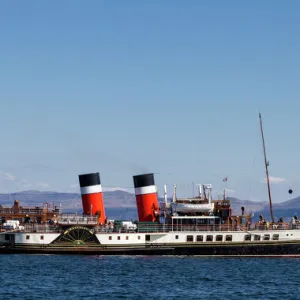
[{"x": 181, "y": 226}]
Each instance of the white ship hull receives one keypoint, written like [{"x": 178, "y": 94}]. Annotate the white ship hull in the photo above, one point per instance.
[{"x": 261, "y": 242}]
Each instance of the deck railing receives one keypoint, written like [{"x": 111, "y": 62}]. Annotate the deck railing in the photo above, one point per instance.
[
  {"x": 161, "y": 228},
  {"x": 24, "y": 211},
  {"x": 157, "y": 228},
  {"x": 71, "y": 219},
  {"x": 41, "y": 228},
  {"x": 277, "y": 226}
]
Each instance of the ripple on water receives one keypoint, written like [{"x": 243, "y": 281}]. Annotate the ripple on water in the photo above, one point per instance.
[{"x": 141, "y": 277}]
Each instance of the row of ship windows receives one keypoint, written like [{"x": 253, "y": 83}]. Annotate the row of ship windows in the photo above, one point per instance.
[
  {"x": 199, "y": 238},
  {"x": 28, "y": 237},
  {"x": 228, "y": 238},
  {"x": 127, "y": 237},
  {"x": 110, "y": 237},
  {"x": 219, "y": 238}
]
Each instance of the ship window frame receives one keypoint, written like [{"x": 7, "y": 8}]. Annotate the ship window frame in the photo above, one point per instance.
[
  {"x": 275, "y": 237},
  {"x": 176, "y": 237},
  {"x": 218, "y": 236},
  {"x": 27, "y": 237},
  {"x": 147, "y": 238},
  {"x": 42, "y": 237},
  {"x": 110, "y": 237},
  {"x": 199, "y": 238},
  {"x": 266, "y": 237},
  {"x": 209, "y": 238},
  {"x": 257, "y": 237},
  {"x": 127, "y": 237},
  {"x": 189, "y": 238},
  {"x": 139, "y": 237},
  {"x": 119, "y": 238},
  {"x": 247, "y": 237},
  {"x": 228, "y": 238}
]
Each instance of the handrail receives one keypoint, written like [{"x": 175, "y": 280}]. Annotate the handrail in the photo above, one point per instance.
[
  {"x": 77, "y": 219},
  {"x": 161, "y": 228},
  {"x": 27, "y": 211}
]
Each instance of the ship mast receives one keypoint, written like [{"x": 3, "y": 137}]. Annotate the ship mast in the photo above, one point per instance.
[{"x": 266, "y": 166}]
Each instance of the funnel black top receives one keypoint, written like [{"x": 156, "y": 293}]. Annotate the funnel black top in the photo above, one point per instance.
[
  {"x": 89, "y": 179},
  {"x": 143, "y": 180}
]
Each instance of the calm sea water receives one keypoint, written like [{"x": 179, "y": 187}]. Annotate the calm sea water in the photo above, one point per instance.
[{"x": 141, "y": 277}]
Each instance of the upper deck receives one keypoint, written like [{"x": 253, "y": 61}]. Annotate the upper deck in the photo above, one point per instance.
[{"x": 29, "y": 213}]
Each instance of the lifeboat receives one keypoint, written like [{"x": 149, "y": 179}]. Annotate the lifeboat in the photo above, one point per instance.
[{"x": 188, "y": 207}]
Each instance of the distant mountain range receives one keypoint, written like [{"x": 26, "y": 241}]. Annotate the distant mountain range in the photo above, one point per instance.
[
  {"x": 67, "y": 200},
  {"x": 122, "y": 204}
]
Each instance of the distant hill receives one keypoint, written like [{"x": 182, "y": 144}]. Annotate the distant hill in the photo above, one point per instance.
[
  {"x": 290, "y": 204},
  {"x": 252, "y": 206},
  {"x": 67, "y": 200},
  {"x": 121, "y": 204}
]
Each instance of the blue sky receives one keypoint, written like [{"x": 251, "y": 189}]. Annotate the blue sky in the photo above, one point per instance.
[{"x": 170, "y": 87}]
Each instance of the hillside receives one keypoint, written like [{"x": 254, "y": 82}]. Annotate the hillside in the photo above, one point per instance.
[
  {"x": 290, "y": 204},
  {"x": 67, "y": 200}
]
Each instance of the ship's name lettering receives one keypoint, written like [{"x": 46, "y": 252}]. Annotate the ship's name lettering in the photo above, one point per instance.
[{"x": 77, "y": 227}]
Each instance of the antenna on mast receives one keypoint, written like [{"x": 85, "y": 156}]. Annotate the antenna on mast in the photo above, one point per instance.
[{"x": 266, "y": 166}]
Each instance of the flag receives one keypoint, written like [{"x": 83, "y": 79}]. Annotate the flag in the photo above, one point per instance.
[{"x": 225, "y": 179}]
